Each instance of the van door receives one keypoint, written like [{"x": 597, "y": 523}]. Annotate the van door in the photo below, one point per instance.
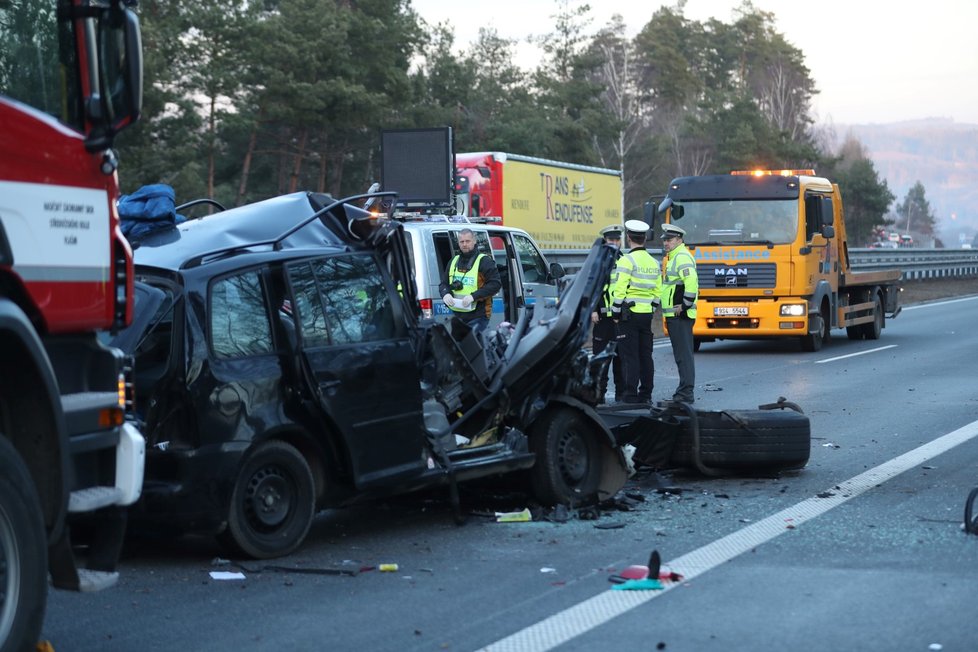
[
  {"x": 360, "y": 364},
  {"x": 534, "y": 269},
  {"x": 507, "y": 265},
  {"x": 506, "y": 303}
]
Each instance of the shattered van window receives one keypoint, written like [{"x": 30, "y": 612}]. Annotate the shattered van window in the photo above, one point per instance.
[
  {"x": 356, "y": 302},
  {"x": 239, "y": 323},
  {"x": 308, "y": 307}
]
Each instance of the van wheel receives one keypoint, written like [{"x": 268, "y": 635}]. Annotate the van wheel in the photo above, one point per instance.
[
  {"x": 273, "y": 503},
  {"x": 696, "y": 343},
  {"x": 23, "y": 563},
  {"x": 568, "y": 465},
  {"x": 748, "y": 440}
]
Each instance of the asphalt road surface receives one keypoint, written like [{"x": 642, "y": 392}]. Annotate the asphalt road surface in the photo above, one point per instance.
[{"x": 862, "y": 549}]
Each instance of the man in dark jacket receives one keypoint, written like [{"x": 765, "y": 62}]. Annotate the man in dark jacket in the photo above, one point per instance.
[
  {"x": 605, "y": 330},
  {"x": 469, "y": 284}
]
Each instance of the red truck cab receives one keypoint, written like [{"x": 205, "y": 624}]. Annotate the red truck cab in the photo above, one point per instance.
[{"x": 70, "y": 79}]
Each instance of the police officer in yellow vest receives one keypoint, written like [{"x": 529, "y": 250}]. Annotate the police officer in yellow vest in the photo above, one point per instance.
[
  {"x": 680, "y": 286},
  {"x": 635, "y": 295},
  {"x": 605, "y": 331},
  {"x": 470, "y": 283}
]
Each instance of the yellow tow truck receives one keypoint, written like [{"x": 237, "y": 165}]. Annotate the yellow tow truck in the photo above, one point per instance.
[{"x": 773, "y": 259}]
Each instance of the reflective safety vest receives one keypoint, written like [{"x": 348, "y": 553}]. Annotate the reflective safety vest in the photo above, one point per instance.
[
  {"x": 605, "y": 310},
  {"x": 606, "y": 300},
  {"x": 636, "y": 283},
  {"x": 680, "y": 284},
  {"x": 469, "y": 280}
]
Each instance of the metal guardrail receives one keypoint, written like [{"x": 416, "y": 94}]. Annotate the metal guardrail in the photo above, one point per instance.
[{"x": 914, "y": 263}]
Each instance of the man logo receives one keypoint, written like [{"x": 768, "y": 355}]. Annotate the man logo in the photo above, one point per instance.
[{"x": 730, "y": 275}]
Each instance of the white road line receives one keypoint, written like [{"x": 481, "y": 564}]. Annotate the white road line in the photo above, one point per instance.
[
  {"x": 853, "y": 355},
  {"x": 594, "y": 612},
  {"x": 939, "y": 303}
]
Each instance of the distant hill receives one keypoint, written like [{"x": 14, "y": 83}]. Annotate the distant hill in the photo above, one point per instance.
[{"x": 938, "y": 152}]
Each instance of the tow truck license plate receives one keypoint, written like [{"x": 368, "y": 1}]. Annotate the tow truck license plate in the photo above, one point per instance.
[{"x": 727, "y": 311}]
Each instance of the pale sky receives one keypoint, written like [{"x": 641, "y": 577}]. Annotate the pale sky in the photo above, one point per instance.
[{"x": 873, "y": 61}]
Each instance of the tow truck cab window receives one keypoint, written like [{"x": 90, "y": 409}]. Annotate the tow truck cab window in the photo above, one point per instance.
[
  {"x": 818, "y": 213},
  {"x": 239, "y": 321}
]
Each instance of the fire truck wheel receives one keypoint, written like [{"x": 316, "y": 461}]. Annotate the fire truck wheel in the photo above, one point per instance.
[
  {"x": 569, "y": 457},
  {"x": 23, "y": 564},
  {"x": 273, "y": 503},
  {"x": 746, "y": 440}
]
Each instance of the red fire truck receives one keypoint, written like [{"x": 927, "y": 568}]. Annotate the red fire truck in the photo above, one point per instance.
[{"x": 70, "y": 458}]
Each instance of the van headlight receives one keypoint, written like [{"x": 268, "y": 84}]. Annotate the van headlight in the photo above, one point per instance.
[{"x": 792, "y": 310}]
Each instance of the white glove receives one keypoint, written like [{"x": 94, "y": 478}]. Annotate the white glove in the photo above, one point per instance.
[
  {"x": 449, "y": 300},
  {"x": 467, "y": 301}
]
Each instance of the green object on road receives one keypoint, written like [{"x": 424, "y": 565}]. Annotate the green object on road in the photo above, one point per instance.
[
  {"x": 514, "y": 517},
  {"x": 638, "y": 585}
]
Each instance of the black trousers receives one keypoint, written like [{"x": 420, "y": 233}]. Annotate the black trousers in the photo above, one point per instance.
[
  {"x": 602, "y": 334},
  {"x": 635, "y": 346},
  {"x": 681, "y": 336}
]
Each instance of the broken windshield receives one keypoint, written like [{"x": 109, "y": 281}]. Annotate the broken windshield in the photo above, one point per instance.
[{"x": 760, "y": 221}]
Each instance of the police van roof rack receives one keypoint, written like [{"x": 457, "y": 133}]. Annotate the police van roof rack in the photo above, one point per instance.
[
  {"x": 407, "y": 216},
  {"x": 416, "y": 216}
]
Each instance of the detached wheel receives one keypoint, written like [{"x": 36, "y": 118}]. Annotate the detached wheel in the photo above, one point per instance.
[
  {"x": 970, "y": 518},
  {"x": 747, "y": 440},
  {"x": 23, "y": 560},
  {"x": 272, "y": 504},
  {"x": 569, "y": 456}
]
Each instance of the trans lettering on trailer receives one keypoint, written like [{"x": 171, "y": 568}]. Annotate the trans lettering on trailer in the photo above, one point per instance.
[{"x": 574, "y": 210}]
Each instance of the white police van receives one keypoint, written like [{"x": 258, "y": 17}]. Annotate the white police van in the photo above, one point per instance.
[{"x": 525, "y": 274}]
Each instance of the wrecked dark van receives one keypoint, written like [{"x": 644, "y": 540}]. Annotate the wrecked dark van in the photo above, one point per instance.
[{"x": 282, "y": 366}]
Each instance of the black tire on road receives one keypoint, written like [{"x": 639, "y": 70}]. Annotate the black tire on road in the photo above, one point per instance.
[
  {"x": 23, "y": 558},
  {"x": 970, "y": 516},
  {"x": 747, "y": 440},
  {"x": 569, "y": 458},
  {"x": 273, "y": 503}
]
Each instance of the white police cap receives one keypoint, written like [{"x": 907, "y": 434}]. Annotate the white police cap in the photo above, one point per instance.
[
  {"x": 612, "y": 232},
  {"x": 671, "y": 230},
  {"x": 636, "y": 226}
]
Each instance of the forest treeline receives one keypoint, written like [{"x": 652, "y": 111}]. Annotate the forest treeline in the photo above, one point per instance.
[{"x": 247, "y": 99}]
